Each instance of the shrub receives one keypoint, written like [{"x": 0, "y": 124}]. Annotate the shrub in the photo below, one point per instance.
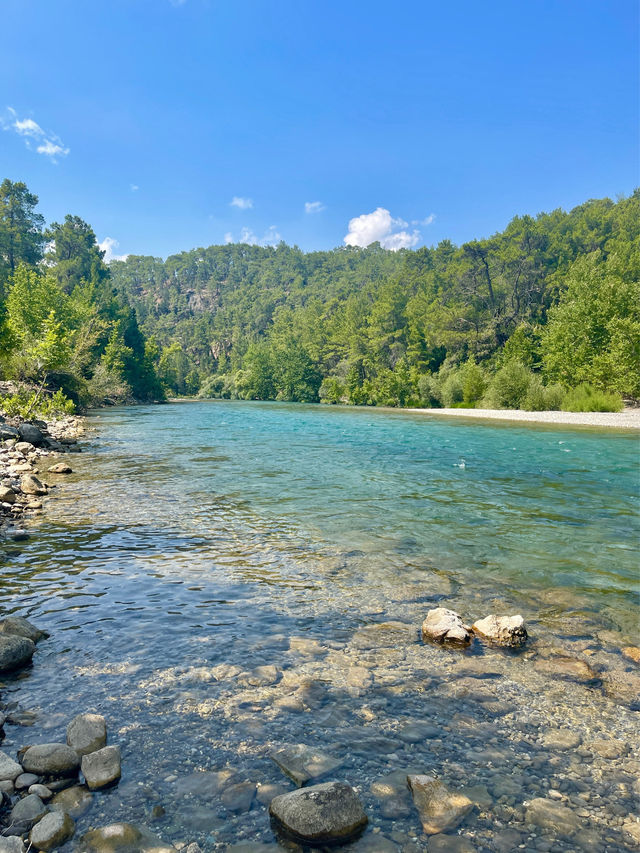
[
  {"x": 430, "y": 391},
  {"x": 452, "y": 393},
  {"x": 473, "y": 383},
  {"x": 26, "y": 402},
  {"x": 586, "y": 398},
  {"x": 542, "y": 398},
  {"x": 508, "y": 388}
]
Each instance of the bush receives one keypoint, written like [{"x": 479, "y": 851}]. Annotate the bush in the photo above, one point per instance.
[
  {"x": 473, "y": 383},
  {"x": 586, "y": 398},
  {"x": 542, "y": 398},
  {"x": 25, "y": 402},
  {"x": 332, "y": 390},
  {"x": 508, "y": 388},
  {"x": 452, "y": 393},
  {"x": 430, "y": 391}
]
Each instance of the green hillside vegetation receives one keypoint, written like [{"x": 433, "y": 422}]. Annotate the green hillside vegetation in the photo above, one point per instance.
[
  {"x": 543, "y": 315},
  {"x": 548, "y": 306}
]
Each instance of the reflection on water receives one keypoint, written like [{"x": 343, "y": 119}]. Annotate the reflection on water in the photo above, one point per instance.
[{"x": 217, "y": 579}]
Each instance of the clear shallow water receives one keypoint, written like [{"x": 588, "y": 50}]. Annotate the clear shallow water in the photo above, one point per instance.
[{"x": 198, "y": 536}]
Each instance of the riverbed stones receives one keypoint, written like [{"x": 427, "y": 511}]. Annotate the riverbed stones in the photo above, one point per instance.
[
  {"x": 11, "y": 844},
  {"x": 449, "y": 844},
  {"x": 15, "y": 652},
  {"x": 87, "y": 733},
  {"x": 567, "y": 668},
  {"x": 101, "y": 768},
  {"x": 31, "y": 485},
  {"x": 439, "y": 807},
  {"x": 51, "y": 759},
  {"x": 506, "y": 631},
  {"x": 26, "y": 780},
  {"x": 60, "y": 468},
  {"x": 75, "y": 801},
  {"x": 632, "y": 653},
  {"x": 239, "y": 797},
  {"x": 123, "y": 838},
  {"x": 28, "y": 811},
  {"x": 54, "y": 830},
  {"x": 42, "y": 791},
  {"x": 7, "y": 495},
  {"x": 445, "y": 626},
  {"x": 10, "y": 770},
  {"x": 302, "y": 763},
  {"x": 549, "y": 815},
  {"x": 561, "y": 739},
  {"x": 329, "y": 813},
  {"x": 18, "y": 626}
]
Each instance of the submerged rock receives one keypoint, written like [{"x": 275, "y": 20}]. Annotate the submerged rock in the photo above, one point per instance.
[
  {"x": 75, "y": 801},
  {"x": 329, "y": 813},
  {"x": 550, "y": 815},
  {"x": 87, "y": 733},
  {"x": 18, "y": 626},
  {"x": 632, "y": 653},
  {"x": 302, "y": 763},
  {"x": 101, "y": 768},
  {"x": 51, "y": 759},
  {"x": 123, "y": 838},
  {"x": 571, "y": 669},
  {"x": 15, "y": 652},
  {"x": 508, "y": 631},
  {"x": 439, "y": 807},
  {"x": 52, "y": 831},
  {"x": 445, "y": 626},
  {"x": 28, "y": 811}
]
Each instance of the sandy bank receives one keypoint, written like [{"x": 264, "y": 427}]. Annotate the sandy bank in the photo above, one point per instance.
[{"x": 628, "y": 419}]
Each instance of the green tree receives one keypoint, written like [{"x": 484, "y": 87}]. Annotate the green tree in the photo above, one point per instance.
[{"x": 21, "y": 237}]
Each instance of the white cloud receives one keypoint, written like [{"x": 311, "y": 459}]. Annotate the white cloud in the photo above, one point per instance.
[
  {"x": 314, "y": 206},
  {"x": 134, "y": 188},
  {"x": 242, "y": 203},
  {"x": 426, "y": 221},
  {"x": 380, "y": 227},
  {"x": 46, "y": 143},
  {"x": 271, "y": 237},
  {"x": 107, "y": 246}
]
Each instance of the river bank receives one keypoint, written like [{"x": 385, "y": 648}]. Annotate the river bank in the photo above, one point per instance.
[{"x": 628, "y": 419}]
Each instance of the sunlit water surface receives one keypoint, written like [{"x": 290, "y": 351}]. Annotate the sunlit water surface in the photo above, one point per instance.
[{"x": 196, "y": 542}]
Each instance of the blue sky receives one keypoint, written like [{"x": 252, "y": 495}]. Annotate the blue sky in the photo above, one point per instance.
[{"x": 414, "y": 121}]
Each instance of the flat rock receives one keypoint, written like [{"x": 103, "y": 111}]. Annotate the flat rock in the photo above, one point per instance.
[
  {"x": 18, "y": 626},
  {"x": 10, "y": 769},
  {"x": 609, "y": 748},
  {"x": 76, "y": 801},
  {"x": 551, "y": 816},
  {"x": 239, "y": 797},
  {"x": 101, "y": 768},
  {"x": 87, "y": 733},
  {"x": 565, "y": 667},
  {"x": 439, "y": 807},
  {"x": 54, "y": 830},
  {"x": 479, "y": 796},
  {"x": 11, "y": 844},
  {"x": 561, "y": 739},
  {"x": 267, "y": 791},
  {"x": 26, "y": 780},
  {"x": 508, "y": 631},
  {"x": 632, "y": 653},
  {"x": 123, "y": 838},
  {"x": 60, "y": 468},
  {"x": 449, "y": 844},
  {"x": 384, "y": 635},
  {"x": 302, "y": 763},
  {"x": 445, "y": 626},
  {"x": 31, "y": 485},
  {"x": 416, "y": 732},
  {"x": 51, "y": 759},
  {"x": 28, "y": 811},
  {"x": 205, "y": 784},
  {"x": 15, "y": 652},
  {"x": 329, "y": 813}
]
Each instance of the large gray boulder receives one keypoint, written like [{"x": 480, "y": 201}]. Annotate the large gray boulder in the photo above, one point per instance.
[
  {"x": 31, "y": 434},
  {"x": 329, "y": 813},
  {"x": 15, "y": 652},
  {"x": 52, "y": 831},
  {"x": 9, "y": 769},
  {"x": 87, "y": 733},
  {"x": 123, "y": 838},
  {"x": 27, "y": 812},
  {"x": 445, "y": 626},
  {"x": 440, "y": 808},
  {"x": 51, "y": 759},
  {"x": 101, "y": 768},
  {"x": 508, "y": 631},
  {"x": 18, "y": 626}
]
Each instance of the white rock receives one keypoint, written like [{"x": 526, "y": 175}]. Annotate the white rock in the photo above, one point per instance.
[
  {"x": 445, "y": 626},
  {"x": 502, "y": 630}
]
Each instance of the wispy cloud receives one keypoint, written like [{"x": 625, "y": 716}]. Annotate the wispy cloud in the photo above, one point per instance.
[
  {"x": 134, "y": 188},
  {"x": 242, "y": 203},
  {"x": 380, "y": 227},
  {"x": 314, "y": 206},
  {"x": 426, "y": 221},
  {"x": 35, "y": 137},
  {"x": 108, "y": 245},
  {"x": 271, "y": 237}
]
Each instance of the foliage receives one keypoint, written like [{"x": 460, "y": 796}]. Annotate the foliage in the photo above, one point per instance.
[
  {"x": 26, "y": 402},
  {"x": 586, "y": 398}
]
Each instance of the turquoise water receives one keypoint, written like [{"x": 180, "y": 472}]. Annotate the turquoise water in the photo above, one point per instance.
[{"x": 196, "y": 536}]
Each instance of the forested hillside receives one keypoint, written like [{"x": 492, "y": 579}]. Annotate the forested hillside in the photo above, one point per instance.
[
  {"x": 545, "y": 314},
  {"x": 516, "y": 320},
  {"x": 67, "y": 338}
]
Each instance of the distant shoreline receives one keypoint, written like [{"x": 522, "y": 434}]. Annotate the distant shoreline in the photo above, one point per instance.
[{"x": 628, "y": 419}]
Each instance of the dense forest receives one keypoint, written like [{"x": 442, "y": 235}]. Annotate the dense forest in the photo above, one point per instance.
[{"x": 543, "y": 315}]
